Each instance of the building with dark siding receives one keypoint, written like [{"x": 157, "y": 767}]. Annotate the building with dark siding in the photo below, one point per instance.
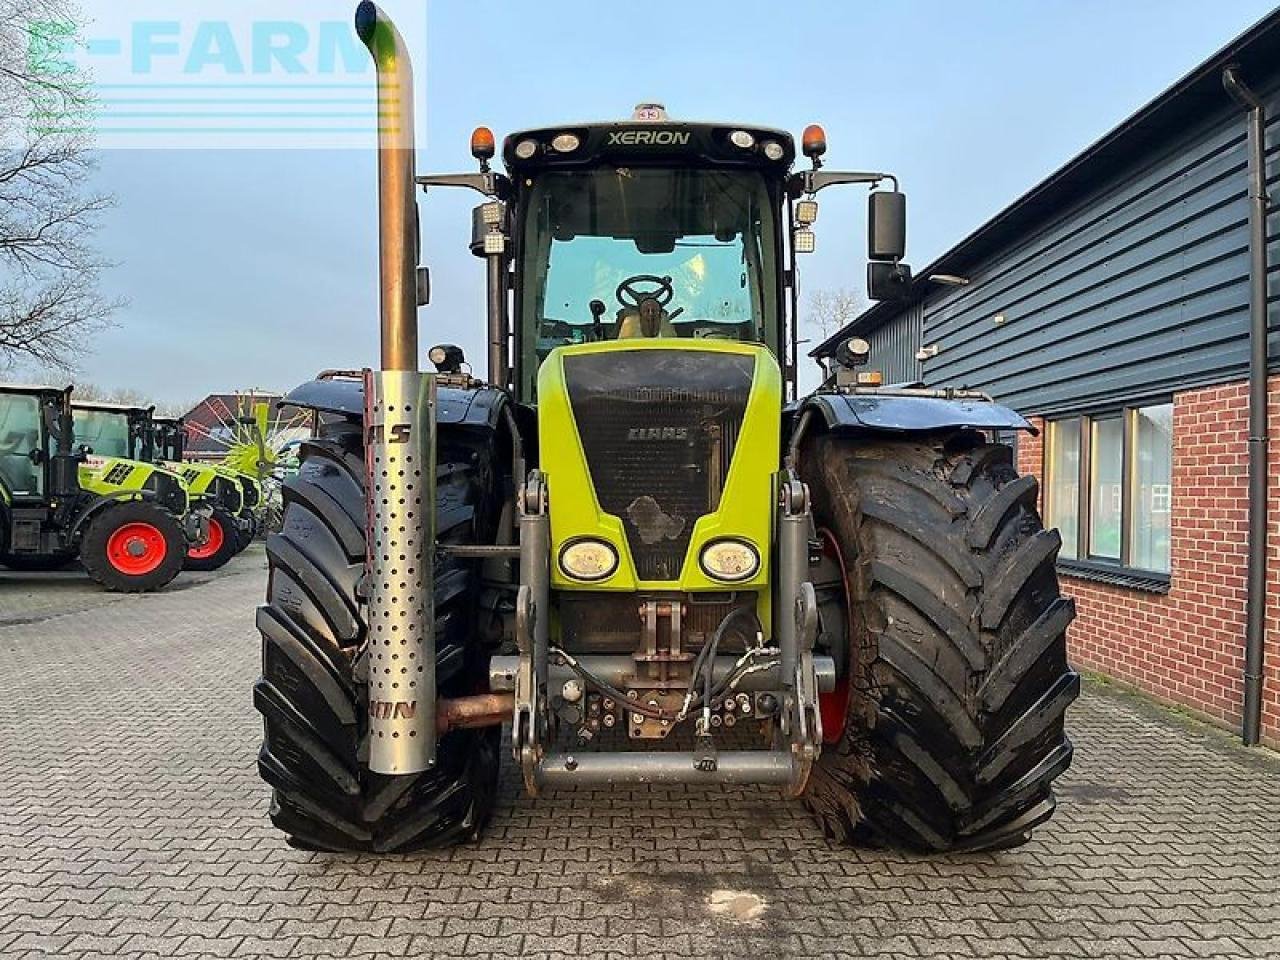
[{"x": 1111, "y": 305}]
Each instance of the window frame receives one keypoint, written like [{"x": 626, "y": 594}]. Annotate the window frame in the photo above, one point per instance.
[{"x": 1087, "y": 564}]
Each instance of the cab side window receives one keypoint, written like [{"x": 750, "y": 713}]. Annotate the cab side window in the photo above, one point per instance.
[{"x": 19, "y": 438}]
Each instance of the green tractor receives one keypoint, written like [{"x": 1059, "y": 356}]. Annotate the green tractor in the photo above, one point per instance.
[
  {"x": 637, "y": 543},
  {"x": 127, "y": 430},
  {"x": 169, "y": 440},
  {"x": 127, "y": 521}
]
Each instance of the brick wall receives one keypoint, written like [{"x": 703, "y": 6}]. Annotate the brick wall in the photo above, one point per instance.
[{"x": 1187, "y": 646}]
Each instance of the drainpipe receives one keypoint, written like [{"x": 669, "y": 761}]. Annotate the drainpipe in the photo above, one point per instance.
[{"x": 1255, "y": 604}]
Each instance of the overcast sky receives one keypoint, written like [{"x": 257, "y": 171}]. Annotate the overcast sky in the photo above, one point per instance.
[{"x": 258, "y": 268}]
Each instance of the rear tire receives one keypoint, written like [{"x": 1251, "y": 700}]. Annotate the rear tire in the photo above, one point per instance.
[
  {"x": 106, "y": 549},
  {"x": 957, "y": 667},
  {"x": 312, "y": 693},
  {"x": 221, "y": 545}
]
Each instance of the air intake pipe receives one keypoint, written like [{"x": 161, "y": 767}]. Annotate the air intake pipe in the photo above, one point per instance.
[{"x": 400, "y": 447}]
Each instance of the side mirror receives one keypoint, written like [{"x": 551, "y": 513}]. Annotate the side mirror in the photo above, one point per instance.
[
  {"x": 887, "y": 281},
  {"x": 887, "y": 225}
]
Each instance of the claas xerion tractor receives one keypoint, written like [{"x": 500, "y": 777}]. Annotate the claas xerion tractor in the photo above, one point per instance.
[
  {"x": 126, "y": 520},
  {"x": 634, "y": 542}
]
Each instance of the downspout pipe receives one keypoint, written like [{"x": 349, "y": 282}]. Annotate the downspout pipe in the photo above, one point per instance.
[{"x": 1256, "y": 588}]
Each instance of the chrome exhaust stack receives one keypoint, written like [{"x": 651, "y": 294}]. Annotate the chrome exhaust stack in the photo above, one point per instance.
[{"x": 400, "y": 447}]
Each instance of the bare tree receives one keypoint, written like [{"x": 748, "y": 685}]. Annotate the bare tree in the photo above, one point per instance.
[
  {"x": 126, "y": 395},
  {"x": 49, "y": 300},
  {"x": 830, "y": 310}
]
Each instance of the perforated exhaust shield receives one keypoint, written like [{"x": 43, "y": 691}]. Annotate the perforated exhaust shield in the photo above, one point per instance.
[{"x": 400, "y": 458}]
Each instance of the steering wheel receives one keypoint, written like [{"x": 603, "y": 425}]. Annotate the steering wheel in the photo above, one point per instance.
[{"x": 629, "y": 296}]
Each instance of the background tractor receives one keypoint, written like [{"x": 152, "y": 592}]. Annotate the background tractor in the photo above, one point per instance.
[
  {"x": 127, "y": 521},
  {"x": 634, "y": 541},
  {"x": 130, "y": 431},
  {"x": 169, "y": 436}
]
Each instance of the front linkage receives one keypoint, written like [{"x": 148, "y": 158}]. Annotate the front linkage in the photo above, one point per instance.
[{"x": 787, "y": 675}]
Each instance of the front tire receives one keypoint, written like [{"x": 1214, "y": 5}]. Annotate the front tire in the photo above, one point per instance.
[
  {"x": 956, "y": 665},
  {"x": 132, "y": 547},
  {"x": 218, "y": 546},
  {"x": 312, "y": 693}
]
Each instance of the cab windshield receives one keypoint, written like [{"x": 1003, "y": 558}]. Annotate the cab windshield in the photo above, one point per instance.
[
  {"x": 104, "y": 432},
  {"x": 696, "y": 241}
]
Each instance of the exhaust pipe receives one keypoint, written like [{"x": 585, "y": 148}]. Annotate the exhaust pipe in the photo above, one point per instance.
[
  {"x": 400, "y": 444},
  {"x": 397, "y": 210}
]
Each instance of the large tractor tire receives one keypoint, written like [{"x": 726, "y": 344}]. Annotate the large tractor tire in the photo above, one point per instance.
[
  {"x": 313, "y": 690},
  {"x": 220, "y": 544},
  {"x": 132, "y": 547},
  {"x": 946, "y": 730}
]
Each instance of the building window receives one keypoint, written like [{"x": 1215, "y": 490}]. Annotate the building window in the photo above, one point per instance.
[{"x": 1109, "y": 487}]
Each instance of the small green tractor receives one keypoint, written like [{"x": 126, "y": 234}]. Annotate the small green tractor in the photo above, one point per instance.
[
  {"x": 169, "y": 443},
  {"x": 635, "y": 542},
  {"x": 127, "y": 521},
  {"x": 134, "y": 432}
]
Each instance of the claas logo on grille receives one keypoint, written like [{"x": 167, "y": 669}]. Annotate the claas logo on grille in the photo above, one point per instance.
[{"x": 658, "y": 433}]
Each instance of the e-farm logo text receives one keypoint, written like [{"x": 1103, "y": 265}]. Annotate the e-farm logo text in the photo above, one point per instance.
[{"x": 214, "y": 74}]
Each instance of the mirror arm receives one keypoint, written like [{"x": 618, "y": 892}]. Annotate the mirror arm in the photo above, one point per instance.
[
  {"x": 489, "y": 183},
  {"x": 811, "y": 181}
]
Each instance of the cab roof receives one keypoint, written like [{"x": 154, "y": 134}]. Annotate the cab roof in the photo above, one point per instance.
[
  {"x": 107, "y": 406},
  {"x": 31, "y": 388}
]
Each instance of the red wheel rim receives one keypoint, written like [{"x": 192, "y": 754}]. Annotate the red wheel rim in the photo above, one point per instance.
[
  {"x": 833, "y": 707},
  {"x": 211, "y": 545},
  {"x": 136, "y": 548}
]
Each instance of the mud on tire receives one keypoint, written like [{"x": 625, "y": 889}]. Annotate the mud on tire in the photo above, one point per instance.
[
  {"x": 958, "y": 676},
  {"x": 312, "y": 692}
]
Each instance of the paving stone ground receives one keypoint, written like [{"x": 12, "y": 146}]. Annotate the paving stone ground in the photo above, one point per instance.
[{"x": 132, "y": 824}]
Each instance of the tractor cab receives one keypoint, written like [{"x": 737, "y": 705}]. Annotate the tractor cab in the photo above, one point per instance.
[
  {"x": 653, "y": 229},
  {"x": 168, "y": 438},
  {"x": 128, "y": 521},
  {"x": 30, "y": 420}
]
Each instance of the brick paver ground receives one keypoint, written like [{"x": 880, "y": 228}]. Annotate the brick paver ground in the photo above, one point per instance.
[{"x": 132, "y": 824}]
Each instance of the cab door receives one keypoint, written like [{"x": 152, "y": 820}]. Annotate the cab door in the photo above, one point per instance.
[{"x": 22, "y": 452}]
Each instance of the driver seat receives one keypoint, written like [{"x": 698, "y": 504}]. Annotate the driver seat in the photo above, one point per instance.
[{"x": 629, "y": 327}]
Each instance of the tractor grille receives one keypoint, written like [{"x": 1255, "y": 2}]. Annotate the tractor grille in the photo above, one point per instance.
[{"x": 658, "y": 428}]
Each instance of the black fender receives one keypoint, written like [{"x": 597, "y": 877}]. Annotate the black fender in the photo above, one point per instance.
[
  {"x": 478, "y": 406},
  {"x": 99, "y": 503},
  {"x": 911, "y": 411}
]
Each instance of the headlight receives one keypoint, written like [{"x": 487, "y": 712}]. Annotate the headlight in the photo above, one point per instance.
[
  {"x": 773, "y": 150},
  {"x": 588, "y": 559},
  {"x": 730, "y": 560},
  {"x": 526, "y": 149},
  {"x": 742, "y": 139}
]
